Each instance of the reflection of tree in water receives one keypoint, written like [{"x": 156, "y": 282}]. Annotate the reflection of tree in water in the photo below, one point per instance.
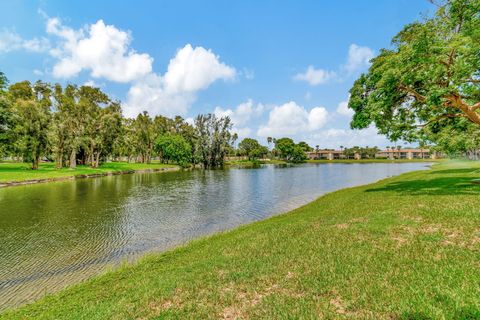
[{"x": 56, "y": 234}]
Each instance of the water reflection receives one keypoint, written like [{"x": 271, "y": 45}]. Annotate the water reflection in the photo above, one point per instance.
[{"x": 55, "y": 234}]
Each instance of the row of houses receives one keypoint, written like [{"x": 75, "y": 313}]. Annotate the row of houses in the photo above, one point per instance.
[{"x": 385, "y": 154}]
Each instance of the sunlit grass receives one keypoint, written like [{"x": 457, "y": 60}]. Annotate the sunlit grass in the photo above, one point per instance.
[
  {"x": 11, "y": 171},
  {"x": 407, "y": 247}
]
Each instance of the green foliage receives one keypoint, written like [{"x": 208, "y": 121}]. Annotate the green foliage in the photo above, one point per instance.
[
  {"x": 214, "y": 139},
  {"x": 428, "y": 82},
  {"x": 290, "y": 151},
  {"x": 252, "y": 149},
  {"x": 173, "y": 147},
  {"x": 7, "y": 136},
  {"x": 305, "y": 146},
  {"x": 31, "y": 104}
]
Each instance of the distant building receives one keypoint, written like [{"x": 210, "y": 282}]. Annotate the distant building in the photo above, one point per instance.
[
  {"x": 388, "y": 154},
  {"x": 406, "y": 154}
]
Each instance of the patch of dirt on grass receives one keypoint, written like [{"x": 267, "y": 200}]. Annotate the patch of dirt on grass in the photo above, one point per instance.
[
  {"x": 245, "y": 300},
  {"x": 231, "y": 313},
  {"x": 342, "y": 225},
  {"x": 158, "y": 306},
  {"x": 338, "y": 304}
]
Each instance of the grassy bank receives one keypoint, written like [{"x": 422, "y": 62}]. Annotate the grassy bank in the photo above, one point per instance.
[
  {"x": 374, "y": 160},
  {"x": 407, "y": 247},
  {"x": 11, "y": 171}
]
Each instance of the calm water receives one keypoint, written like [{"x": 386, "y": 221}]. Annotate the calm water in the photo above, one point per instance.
[{"x": 56, "y": 234}]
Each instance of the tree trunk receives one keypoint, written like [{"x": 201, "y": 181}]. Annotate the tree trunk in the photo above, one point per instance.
[
  {"x": 35, "y": 162},
  {"x": 73, "y": 159},
  {"x": 97, "y": 160},
  {"x": 59, "y": 159}
]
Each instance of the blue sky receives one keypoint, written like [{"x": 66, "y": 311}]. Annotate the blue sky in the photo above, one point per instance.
[{"x": 278, "y": 68}]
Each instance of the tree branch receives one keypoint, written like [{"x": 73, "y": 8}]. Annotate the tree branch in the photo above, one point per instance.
[
  {"x": 414, "y": 93},
  {"x": 443, "y": 116}
]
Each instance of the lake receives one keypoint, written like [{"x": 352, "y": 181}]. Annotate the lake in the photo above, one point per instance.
[{"x": 56, "y": 234}]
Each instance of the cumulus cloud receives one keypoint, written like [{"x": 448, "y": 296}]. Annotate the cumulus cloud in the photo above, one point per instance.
[
  {"x": 241, "y": 115},
  {"x": 101, "y": 49},
  {"x": 11, "y": 41},
  {"x": 314, "y": 76},
  {"x": 358, "y": 57},
  {"x": 290, "y": 119},
  {"x": 334, "y": 138},
  {"x": 191, "y": 70},
  {"x": 344, "y": 110}
]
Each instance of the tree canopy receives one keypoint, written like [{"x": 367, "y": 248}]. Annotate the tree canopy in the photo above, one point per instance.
[
  {"x": 429, "y": 81},
  {"x": 252, "y": 148}
]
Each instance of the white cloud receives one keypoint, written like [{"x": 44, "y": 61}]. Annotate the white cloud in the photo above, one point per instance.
[
  {"x": 334, "y": 138},
  {"x": 358, "y": 57},
  {"x": 191, "y": 70},
  {"x": 37, "y": 72},
  {"x": 194, "y": 69},
  {"x": 315, "y": 76},
  {"x": 344, "y": 110},
  {"x": 317, "y": 118},
  {"x": 91, "y": 83},
  {"x": 290, "y": 119},
  {"x": 101, "y": 49},
  {"x": 150, "y": 95},
  {"x": 242, "y": 113},
  {"x": 242, "y": 133},
  {"x": 11, "y": 41}
]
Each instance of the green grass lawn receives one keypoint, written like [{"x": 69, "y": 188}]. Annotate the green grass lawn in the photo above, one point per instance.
[
  {"x": 11, "y": 171},
  {"x": 407, "y": 247}
]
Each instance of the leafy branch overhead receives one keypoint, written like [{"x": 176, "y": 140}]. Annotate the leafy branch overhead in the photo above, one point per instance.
[{"x": 429, "y": 81}]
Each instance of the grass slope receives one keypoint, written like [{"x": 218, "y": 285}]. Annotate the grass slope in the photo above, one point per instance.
[
  {"x": 407, "y": 247},
  {"x": 11, "y": 171}
]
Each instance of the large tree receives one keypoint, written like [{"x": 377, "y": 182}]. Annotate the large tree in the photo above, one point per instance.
[
  {"x": 252, "y": 148},
  {"x": 428, "y": 81},
  {"x": 7, "y": 133},
  {"x": 32, "y": 105},
  {"x": 173, "y": 147},
  {"x": 214, "y": 139}
]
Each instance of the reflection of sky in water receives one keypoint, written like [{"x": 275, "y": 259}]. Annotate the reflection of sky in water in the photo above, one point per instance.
[{"x": 55, "y": 234}]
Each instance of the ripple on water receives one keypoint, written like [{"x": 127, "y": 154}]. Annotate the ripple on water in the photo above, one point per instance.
[{"x": 53, "y": 235}]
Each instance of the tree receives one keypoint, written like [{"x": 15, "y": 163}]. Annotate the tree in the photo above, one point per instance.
[
  {"x": 285, "y": 147},
  {"x": 7, "y": 133},
  {"x": 32, "y": 107},
  {"x": 213, "y": 139},
  {"x": 305, "y": 146},
  {"x": 252, "y": 148},
  {"x": 289, "y": 150},
  {"x": 145, "y": 136},
  {"x": 298, "y": 154},
  {"x": 429, "y": 81},
  {"x": 173, "y": 147}
]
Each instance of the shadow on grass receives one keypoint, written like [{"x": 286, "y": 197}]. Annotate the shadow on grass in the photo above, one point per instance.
[
  {"x": 456, "y": 171},
  {"x": 436, "y": 186}
]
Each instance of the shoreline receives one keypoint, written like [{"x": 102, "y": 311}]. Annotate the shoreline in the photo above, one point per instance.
[
  {"x": 85, "y": 176},
  {"x": 180, "y": 248}
]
